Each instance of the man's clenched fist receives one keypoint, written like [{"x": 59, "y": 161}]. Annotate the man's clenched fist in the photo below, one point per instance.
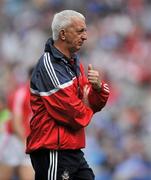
[{"x": 93, "y": 77}]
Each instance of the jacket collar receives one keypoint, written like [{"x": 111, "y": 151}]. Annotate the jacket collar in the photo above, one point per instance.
[{"x": 56, "y": 53}]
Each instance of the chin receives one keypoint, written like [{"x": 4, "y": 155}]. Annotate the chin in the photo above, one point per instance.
[
  {"x": 78, "y": 48},
  {"x": 75, "y": 49}
]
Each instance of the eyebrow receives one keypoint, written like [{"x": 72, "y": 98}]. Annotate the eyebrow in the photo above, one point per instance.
[{"x": 81, "y": 30}]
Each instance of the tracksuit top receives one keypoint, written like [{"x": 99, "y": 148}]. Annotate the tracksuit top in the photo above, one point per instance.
[{"x": 59, "y": 114}]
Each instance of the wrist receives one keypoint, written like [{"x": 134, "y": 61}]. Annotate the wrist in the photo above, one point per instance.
[{"x": 98, "y": 87}]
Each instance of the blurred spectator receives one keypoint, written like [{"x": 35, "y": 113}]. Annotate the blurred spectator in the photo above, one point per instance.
[
  {"x": 14, "y": 160},
  {"x": 5, "y": 163}
]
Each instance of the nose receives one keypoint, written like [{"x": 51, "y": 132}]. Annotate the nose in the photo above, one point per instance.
[{"x": 84, "y": 35}]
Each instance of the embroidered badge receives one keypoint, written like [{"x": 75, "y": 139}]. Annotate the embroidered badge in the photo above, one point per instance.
[{"x": 65, "y": 175}]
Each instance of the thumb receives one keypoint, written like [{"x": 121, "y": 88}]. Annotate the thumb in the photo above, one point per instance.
[{"x": 90, "y": 67}]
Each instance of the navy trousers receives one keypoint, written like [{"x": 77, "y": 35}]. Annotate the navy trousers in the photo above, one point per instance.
[{"x": 60, "y": 165}]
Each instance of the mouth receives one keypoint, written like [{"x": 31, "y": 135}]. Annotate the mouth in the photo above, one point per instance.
[{"x": 80, "y": 43}]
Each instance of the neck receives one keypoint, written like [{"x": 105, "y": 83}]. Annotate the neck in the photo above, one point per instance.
[{"x": 62, "y": 48}]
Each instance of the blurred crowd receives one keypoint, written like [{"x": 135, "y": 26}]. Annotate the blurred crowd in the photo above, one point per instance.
[{"x": 119, "y": 46}]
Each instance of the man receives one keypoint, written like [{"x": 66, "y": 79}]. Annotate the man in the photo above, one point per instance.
[{"x": 63, "y": 101}]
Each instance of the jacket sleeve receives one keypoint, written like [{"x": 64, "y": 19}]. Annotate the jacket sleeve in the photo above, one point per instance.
[
  {"x": 97, "y": 100},
  {"x": 67, "y": 109},
  {"x": 60, "y": 99}
]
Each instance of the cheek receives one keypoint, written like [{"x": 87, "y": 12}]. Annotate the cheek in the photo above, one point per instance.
[
  {"x": 69, "y": 40},
  {"x": 72, "y": 41},
  {"x": 76, "y": 40}
]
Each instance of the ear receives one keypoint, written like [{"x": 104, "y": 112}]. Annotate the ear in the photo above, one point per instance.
[{"x": 62, "y": 35}]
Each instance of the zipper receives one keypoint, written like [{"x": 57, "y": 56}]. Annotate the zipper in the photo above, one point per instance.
[
  {"x": 73, "y": 71},
  {"x": 58, "y": 137}
]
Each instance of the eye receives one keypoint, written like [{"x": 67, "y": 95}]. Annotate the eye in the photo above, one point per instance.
[{"x": 82, "y": 30}]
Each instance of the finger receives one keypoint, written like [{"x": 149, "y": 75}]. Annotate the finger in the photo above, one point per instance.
[
  {"x": 86, "y": 89},
  {"x": 93, "y": 76},
  {"x": 93, "y": 82},
  {"x": 90, "y": 67},
  {"x": 93, "y": 73}
]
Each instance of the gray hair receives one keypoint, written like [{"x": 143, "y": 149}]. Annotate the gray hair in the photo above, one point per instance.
[{"x": 62, "y": 20}]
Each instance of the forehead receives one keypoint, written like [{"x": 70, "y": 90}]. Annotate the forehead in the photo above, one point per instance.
[{"x": 77, "y": 23}]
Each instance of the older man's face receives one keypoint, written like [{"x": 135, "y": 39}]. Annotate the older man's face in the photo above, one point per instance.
[{"x": 75, "y": 35}]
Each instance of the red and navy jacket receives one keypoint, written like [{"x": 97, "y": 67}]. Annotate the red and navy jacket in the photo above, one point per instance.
[{"x": 59, "y": 114}]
